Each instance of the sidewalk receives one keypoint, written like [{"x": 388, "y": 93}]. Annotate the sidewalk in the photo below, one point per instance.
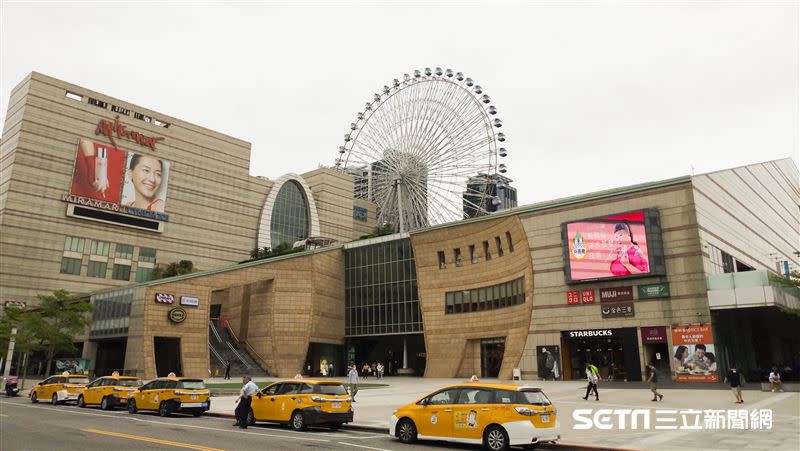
[{"x": 373, "y": 408}]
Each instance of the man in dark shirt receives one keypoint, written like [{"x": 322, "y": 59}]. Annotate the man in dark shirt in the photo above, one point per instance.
[
  {"x": 735, "y": 379},
  {"x": 653, "y": 380}
]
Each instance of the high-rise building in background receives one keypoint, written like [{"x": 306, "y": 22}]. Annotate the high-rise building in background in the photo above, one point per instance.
[{"x": 488, "y": 193}]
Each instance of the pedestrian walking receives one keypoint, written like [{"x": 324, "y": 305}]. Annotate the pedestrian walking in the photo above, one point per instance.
[
  {"x": 365, "y": 370},
  {"x": 380, "y": 370},
  {"x": 549, "y": 364},
  {"x": 775, "y": 380},
  {"x": 243, "y": 403},
  {"x": 735, "y": 379},
  {"x": 352, "y": 380},
  {"x": 592, "y": 375},
  {"x": 228, "y": 370},
  {"x": 330, "y": 369},
  {"x": 652, "y": 379}
]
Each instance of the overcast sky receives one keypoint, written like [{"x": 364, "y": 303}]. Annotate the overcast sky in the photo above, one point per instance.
[{"x": 592, "y": 95}]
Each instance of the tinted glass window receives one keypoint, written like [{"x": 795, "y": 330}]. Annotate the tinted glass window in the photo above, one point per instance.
[
  {"x": 289, "y": 388},
  {"x": 328, "y": 389},
  {"x": 96, "y": 383},
  {"x": 191, "y": 385},
  {"x": 289, "y": 215},
  {"x": 170, "y": 384},
  {"x": 535, "y": 397},
  {"x": 148, "y": 386},
  {"x": 444, "y": 397},
  {"x": 78, "y": 380},
  {"x": 475, "y": 396},
  {"x": 306, "y": 388},
  {"x": 506, "y": 397},
  {"x": 272, "y": 389},
  {"x": 127, "y": 383}
]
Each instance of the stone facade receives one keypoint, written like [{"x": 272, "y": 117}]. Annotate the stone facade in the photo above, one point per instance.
[
  {"x": 276, "y": 307},
  {"x": 452, "y": 341}
]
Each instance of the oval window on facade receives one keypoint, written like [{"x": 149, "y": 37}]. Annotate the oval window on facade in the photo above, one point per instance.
[{"x": 289, "y": 216}]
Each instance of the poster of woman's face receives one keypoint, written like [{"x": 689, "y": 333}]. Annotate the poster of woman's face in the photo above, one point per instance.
[{"x": 145, "y": 185}]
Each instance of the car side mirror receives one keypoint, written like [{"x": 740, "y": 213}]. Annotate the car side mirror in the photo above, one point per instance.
[
  {"x": 424, "y": 402},
  {"x": 259, "y": 395}
]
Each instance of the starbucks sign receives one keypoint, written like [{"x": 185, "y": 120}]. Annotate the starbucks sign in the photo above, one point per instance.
[{"x": 653, "y": 290}]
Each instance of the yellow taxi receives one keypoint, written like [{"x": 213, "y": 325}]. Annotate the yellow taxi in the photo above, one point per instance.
[
  {"x": 109, "y": 391},
  {"x": 59, "y": 389},
  {"x": 303, "y": 402},
  {"x": 171, "y": 394},
  {"x": 494, "y": 415}
]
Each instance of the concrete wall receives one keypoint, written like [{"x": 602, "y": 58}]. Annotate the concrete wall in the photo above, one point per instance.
[
  {"x": 683, "y": 256},
  {"x": 278, "y": 307},
  {"x": 212, "y": 202},
  {"x": 752, "y": 213},
  {"x": 452, "y": 340}
]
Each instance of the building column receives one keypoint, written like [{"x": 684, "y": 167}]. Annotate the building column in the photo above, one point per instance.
[{"x": 405, "y": 351}]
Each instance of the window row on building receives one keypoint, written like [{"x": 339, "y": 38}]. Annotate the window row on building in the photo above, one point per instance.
[
  {"x": 493, "y": 297},
  {"x": 115, "y": 108},
  {"x": 458, "y": 257},
  {"x": 99, "y": 259},
  {"x": 395, "y": 318}
]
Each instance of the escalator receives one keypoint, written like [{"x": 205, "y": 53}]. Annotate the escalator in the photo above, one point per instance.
[{"x": 224, "y": 347}]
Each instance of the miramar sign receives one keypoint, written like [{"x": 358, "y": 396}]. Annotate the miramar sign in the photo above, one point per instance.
[
  {"x": 110, "y": 129},
  {"x": 109, "y": 206}
]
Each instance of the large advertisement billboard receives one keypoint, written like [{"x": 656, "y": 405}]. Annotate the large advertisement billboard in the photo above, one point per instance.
[
  {"x": 615, "y": 246},
  {"x": 693, "y": 353},
  {"x": 121, "y": 181}
]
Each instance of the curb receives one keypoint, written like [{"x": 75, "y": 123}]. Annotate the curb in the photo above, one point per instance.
[{"x": 354, "y": 427}]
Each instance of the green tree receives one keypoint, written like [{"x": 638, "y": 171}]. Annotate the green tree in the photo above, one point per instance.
[
  {"x": 174, "y": 269},
  {"x": 381, "y": 230},
  {"x": 267, "y": 252},
  {"x": 50, "y": 327},
  {"x": 792, "y": 283}
]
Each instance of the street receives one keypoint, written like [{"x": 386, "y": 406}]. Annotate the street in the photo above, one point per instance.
[{"x": 27, "y": 426}]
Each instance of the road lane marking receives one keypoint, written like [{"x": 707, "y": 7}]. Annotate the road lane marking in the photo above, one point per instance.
[
  {"x": 172, "y": 423},
  {"x": 3, "y": 415},
  {"x": 362, "y": 446},
  {"x": 151, "y": 440}
]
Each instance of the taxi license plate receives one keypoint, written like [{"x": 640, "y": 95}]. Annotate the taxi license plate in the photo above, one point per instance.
[
  {"x": 545, "y": 418},
  {"x": 337, "y": 405},
  {"x": 194, "y": 396}
]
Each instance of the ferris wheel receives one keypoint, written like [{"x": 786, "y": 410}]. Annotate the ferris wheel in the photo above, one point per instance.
[{"x": 425, "y": 150}]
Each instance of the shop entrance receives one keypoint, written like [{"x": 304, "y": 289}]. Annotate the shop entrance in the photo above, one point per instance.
[
  {"x": 110, "y": 356},
  {"x": 388, "y": 349},
  {"x": 492, "y": 350},
  {"x": 323, "y": 359},
  {"x": 615, "y": 353},
  {"x": 168, "y": 355}
]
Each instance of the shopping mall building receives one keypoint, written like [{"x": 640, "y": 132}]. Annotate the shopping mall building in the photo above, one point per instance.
[{"x": 678, "y": 272}]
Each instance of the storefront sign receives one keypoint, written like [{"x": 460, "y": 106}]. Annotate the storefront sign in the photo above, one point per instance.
[
  {"x": 654, "y": 334},
  {"x": 693, "y": 353},
  {"x": 165, "y": 298},
  {"x": 617, "y": 310},
  {"x": 587, "y": 296},
  {"x": 360, "y": 213},
  {"x": 118, "y": 129},
  {"x": 177, "y": 315},
  {"x": 616, "y": 294},
  {"x": 573, "y": 297},
  {"x": 103, "y": 205},
  {"x": 654, "y": 290},
  {"x": 190, "y": 301},
  {"x": 591, "y": 333}
]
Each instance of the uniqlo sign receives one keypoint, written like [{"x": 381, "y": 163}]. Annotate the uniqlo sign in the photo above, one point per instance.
[
  {"x": 587, "y": 296},
  {"x": 573, "y": 297}
]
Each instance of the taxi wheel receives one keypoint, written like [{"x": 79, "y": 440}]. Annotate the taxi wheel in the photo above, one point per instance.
[
  {"x": 495, "y": 439},
  {"x": 251, "y": 418},
  {"x": 132, "y": 406},
  {"x": 105, "y": 404},
  {"x": 34, "y": 398},
  {"x": 407, "y": 431},
  {"x": 54, "y": 400},
  {"x": 163, "y": 409},
  {"x": 298, "y": 422},
  {"x": 81, "y": 401}
]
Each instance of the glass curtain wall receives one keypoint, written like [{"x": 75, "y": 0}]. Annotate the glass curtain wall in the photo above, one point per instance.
[{"x": 381, "y": 294}]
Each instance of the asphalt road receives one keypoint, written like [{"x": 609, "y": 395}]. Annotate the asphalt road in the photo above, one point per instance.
[{"x": 27, "y": 426}]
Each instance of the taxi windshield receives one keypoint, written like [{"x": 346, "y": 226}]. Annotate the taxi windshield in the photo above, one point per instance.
[
  {"x": 330, "y": 389},
  {"x": 79, "y": 380},
  {"x": 128, "y": 383},
  {"x": 536, "y": 398},
  {"x": 191, "y": 385}
]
